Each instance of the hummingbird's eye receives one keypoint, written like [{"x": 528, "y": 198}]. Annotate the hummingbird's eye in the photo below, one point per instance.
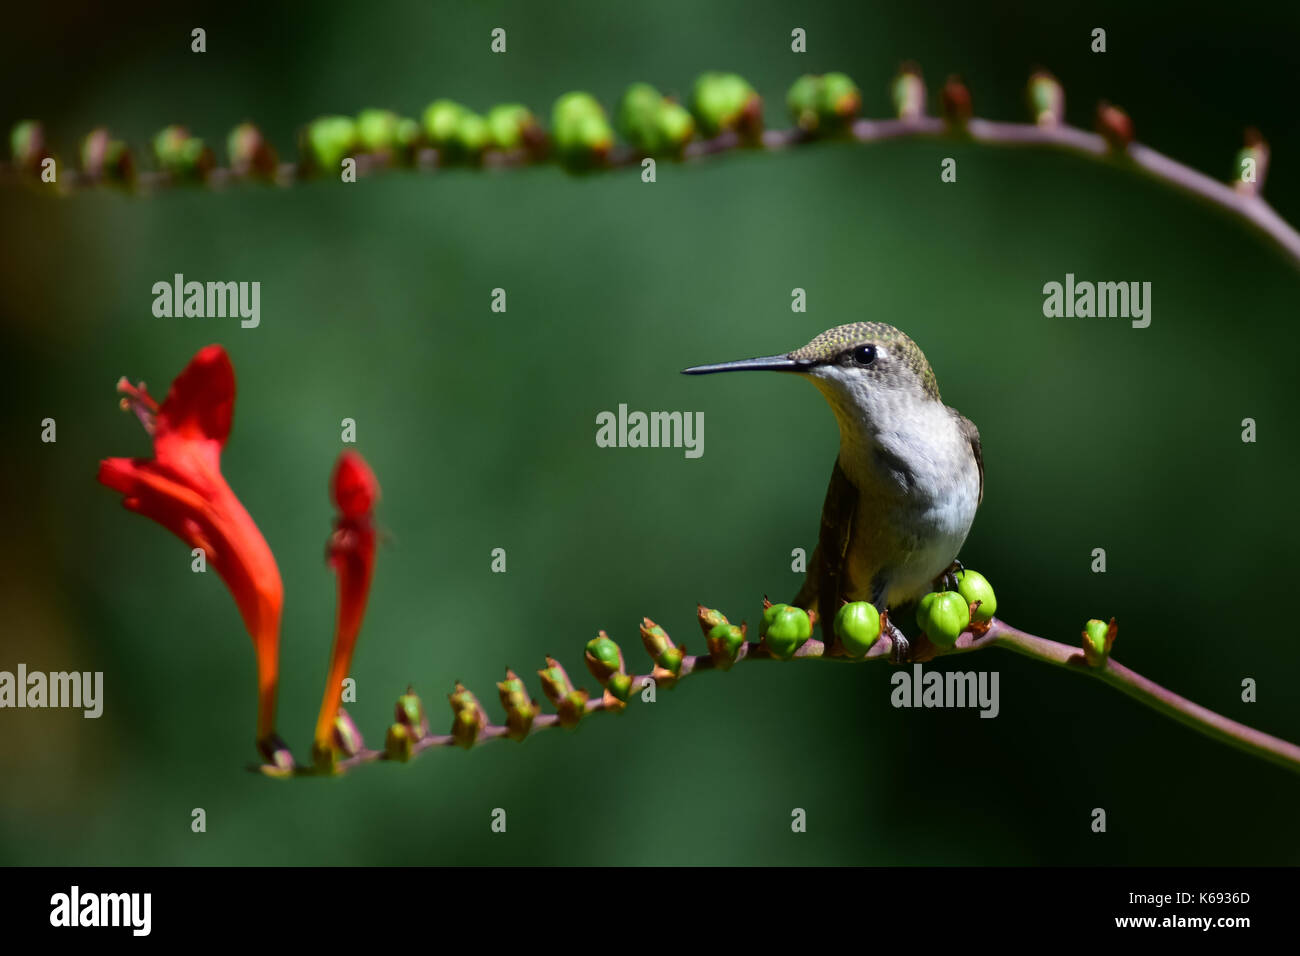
[{"x": 864, "y": 355}]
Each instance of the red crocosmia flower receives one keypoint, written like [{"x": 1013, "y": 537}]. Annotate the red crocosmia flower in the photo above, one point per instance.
[
  {"x": 351, "y": 552},
  {"x": 181, "y": 487}
]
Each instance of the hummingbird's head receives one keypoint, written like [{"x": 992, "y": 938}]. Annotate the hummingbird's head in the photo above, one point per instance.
[{"x": 868, "y": 371}]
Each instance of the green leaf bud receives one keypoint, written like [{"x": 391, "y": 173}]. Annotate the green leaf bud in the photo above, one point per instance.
[
  {"x": 1046, "y": 99},
  {"x": 908, "y": 92}
]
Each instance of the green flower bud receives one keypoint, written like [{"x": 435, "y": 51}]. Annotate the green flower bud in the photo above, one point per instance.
[
  {"x": 973, "y": 586},
  {"x": 347, "y": 738},
  {"x": 512, "y": 126},
  {"x": 858, "y": 627},
  {"x": 583, "y": 137},
  {"x": 249, "y": 153},
  {"x": 603, "y": 657},
  {"x": 1046, "y": 99},
  {"x": 27, "y": 145},
  {"x": 472, "y": 135},
  {"x": 468, "y": 716},
  {"x": 440, "y": 120},
  {"x": 725, "y": 101},
  {"x": 908, "y": 92},
  {"x": 520, "y": 707},
  {"x": 943, "y": 615},
  {"x": 399, "y": 742},
  {"x": 184, "y": 156},
  {"x": 676, "y": 125},
  {"x": 787, "y": 631},
  {"x": 377, "y": 130},
  {"x": 725, "y": 641},
  {"x": 1098, "y": 638},
  {"x": 327, "y": 141},
  {"x": 770, "y": 614},
  {"x": 660, "y": 647},
  {"x": 410, "y": 713},
  {"x": 619, "y": 686},
  {"x": 105, "y": 158},
  {"x": 803, "y": 101},
  {"x": 637, "y": 116},
  {"x": 709, "y": 618},
  {"x": 838, "y": 100}
]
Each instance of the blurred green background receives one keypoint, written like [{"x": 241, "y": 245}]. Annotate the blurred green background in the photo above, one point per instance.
[{"x": 375, "y": 305}]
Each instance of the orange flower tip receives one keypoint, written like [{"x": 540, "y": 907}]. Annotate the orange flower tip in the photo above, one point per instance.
[{"x": 353, "y": 487}]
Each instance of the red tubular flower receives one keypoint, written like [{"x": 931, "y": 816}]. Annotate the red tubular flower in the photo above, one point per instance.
[
  {"x": 182, "y": 489},
  {"x": 351, "y": 552}
]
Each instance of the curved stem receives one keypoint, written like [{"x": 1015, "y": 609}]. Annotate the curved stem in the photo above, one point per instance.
[
  {"x": 1246, "y": 204},
  {"x": 997, "y": 634},
  {"x": 1148, "y": 692}
]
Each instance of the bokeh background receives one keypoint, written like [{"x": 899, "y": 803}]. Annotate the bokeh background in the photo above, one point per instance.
[{"x": 375, "y": 303}]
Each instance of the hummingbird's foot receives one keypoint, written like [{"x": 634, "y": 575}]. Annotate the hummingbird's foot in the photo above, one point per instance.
[
  {"x": 948, "y": 580},
  {"x": 900, "y": 647}
]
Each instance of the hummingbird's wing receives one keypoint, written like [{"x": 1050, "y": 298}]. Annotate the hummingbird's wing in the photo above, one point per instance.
[
  {"x": 825, "y": 581},
  {"x": 973, "y": 434}
]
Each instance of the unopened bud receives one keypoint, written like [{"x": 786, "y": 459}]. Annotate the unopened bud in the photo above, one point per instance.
[
  {"x": 943, "y": 615},
  {"x": 955, "y": 101},
  {"x": 975, "y": 588},
  {"x": 327, "y": 141},
  {"x": 468, "y": 716},
  {"x": 908, "y": 92},
  {"x": 107, "y": 159},
  {"x": 583, "y": 137},
  {"x": 249, "y": 153},
  {"x": 787, "y": 630},
  {"x": 1046, "y": 99},
  {"x": 347, "y": 738},
  {"x": 725, "y": 641},
  {"x": 709, "y": 618},
  {"x": 666, "y": 655},
  {"x": 512, "y": 126},
  {"x": 410, "y": 713},
  {"x": 857, "y": 625},
  {"x": 1115, "y": 126},
  {"x": 399, "y": 743},
  {"x": 520, "y": 707},
  {"x": 726, "y": 101},
  {"x": 27, "y": 145},
  {"x": 570, "y": 703},
  {"x": 184, "y": 156},
  {"x": 1098, "y": 638}
]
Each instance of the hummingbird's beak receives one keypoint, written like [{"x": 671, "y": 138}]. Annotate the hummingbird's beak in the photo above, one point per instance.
[{"x": 766, "y": 363}]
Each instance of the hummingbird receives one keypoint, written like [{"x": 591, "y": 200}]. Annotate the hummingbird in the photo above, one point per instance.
[{"x": 906, "y": 483}]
